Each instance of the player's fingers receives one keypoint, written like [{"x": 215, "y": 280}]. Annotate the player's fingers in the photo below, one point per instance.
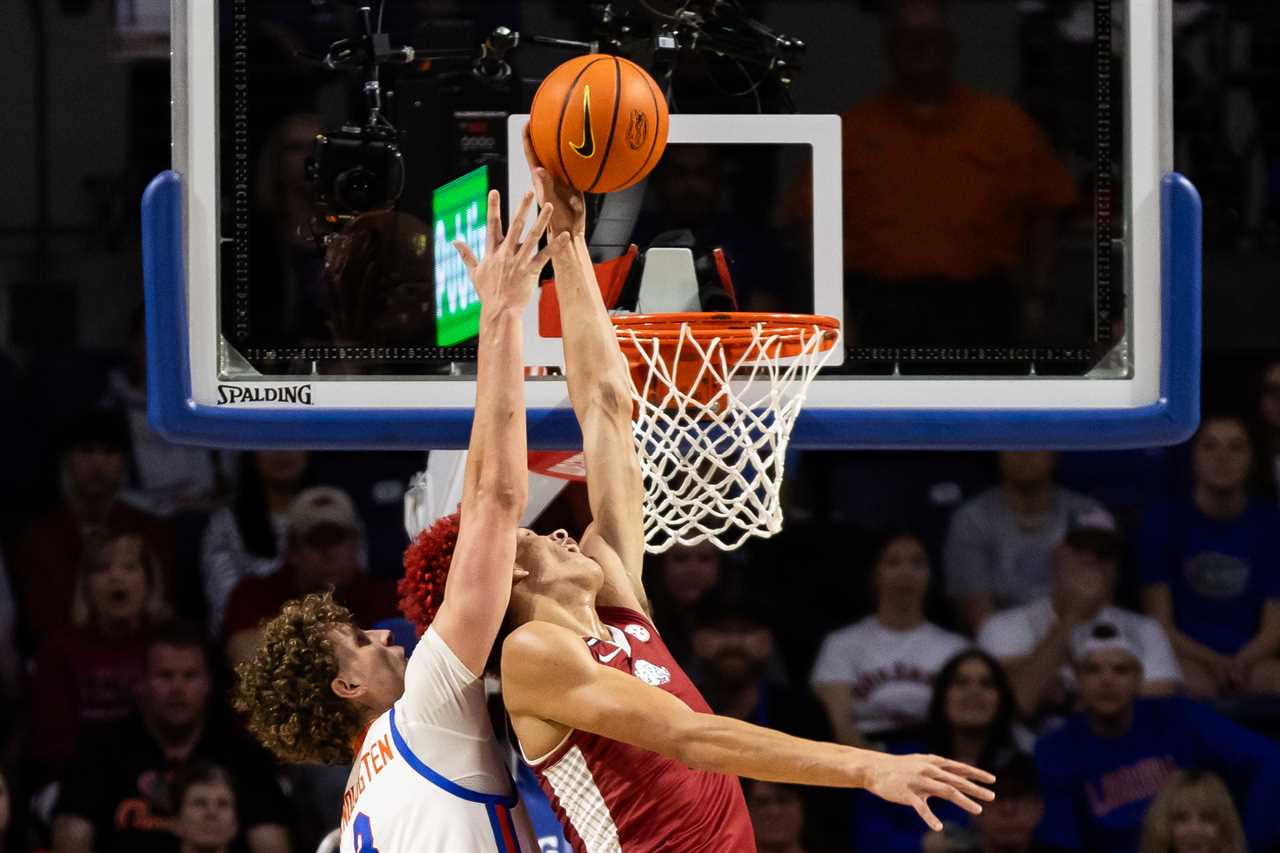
[
  {"x": 965, "y": 770},
  {"x": 554, "y": 244},
  {"x": 517, "y": 222},
  {"x": 926, "y": 814},
  {"x": 494, "y": 222},
  {"x": 530, "y": 244},
  {"x": 529, "y": 153},
  {"x": 468, "y": 259},
  {"x": 946, "y": 792},
  {"x": 962, "y": 784}
]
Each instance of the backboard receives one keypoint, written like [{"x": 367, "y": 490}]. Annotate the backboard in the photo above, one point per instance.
[{"x": 1063, "y": 309}]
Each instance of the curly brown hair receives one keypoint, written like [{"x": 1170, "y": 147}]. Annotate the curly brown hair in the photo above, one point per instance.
[{"x": 285, "y": 688}]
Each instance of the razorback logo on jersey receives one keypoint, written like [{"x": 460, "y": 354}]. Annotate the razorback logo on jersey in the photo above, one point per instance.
[
  {"x": 652, "y": 674},
  {"x": 640, "y": 632}
]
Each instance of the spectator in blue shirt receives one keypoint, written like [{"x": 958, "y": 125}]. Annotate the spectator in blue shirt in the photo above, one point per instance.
[
  {"x": 1101, "y": 770},
  {"x": 1210, "y": 568}
]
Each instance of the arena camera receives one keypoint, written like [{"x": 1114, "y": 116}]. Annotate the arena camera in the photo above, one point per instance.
[{"x": 355, "y": 170}]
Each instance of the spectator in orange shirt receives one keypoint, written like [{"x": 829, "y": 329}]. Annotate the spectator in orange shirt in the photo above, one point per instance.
[{"x": 951, "y": 200}]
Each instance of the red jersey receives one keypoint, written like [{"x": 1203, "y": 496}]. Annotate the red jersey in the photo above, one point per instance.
[{"x": 612, "y": 796}]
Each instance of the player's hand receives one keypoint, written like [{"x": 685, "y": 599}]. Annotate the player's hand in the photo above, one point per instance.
[
  {"x": 911, "y": 779},
  {"x": 508, "y": 275},
  {"x": 571, "y": 209}
]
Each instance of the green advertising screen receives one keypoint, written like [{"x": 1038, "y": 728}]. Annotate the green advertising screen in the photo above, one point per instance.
[{"x": 458, "y": 213}]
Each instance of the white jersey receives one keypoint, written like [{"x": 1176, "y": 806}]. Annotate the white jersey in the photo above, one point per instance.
[
  {"x": 889, "y": 673},
  {"x": 429, "y": 776}
]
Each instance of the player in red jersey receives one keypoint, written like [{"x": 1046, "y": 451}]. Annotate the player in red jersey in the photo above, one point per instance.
[{"x": 626, "y": 748}]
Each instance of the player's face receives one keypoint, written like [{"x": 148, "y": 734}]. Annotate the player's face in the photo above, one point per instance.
[
  {"x": 972, "y": 699},
  {"x": 372, "y": 662},
  {"x": 207, "y": 818},
  {"x": 1109, "y": 680},
  {"x": 1194, "y": 824},
  {"x": 118, "y": 589},
  {"x": 542, "y": 561}
]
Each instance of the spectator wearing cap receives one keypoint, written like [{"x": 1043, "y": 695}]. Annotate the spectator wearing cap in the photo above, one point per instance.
[
  {"x": 999, "y": 546},
  {"x": 1101, "y": 770},
  {"x": 1210, "y": 568},
  {"x": 876, "y": 676},
  {"x": 48, "y": 552},
  {"x": 322, "y": 551},
  {"x": 1034, "y": 641},
  {"x": 1008, "y": 824}
]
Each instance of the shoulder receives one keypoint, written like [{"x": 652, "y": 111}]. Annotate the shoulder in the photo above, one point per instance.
[
  {"x": 1054, "y": 751},
  {"x": 950, "y": 641},
  {"x": 850, "y": 635},
  {"x": 979, "y": 507},
  {"x": 535, "y": 646},
  {"x": 990, "y": 107}
]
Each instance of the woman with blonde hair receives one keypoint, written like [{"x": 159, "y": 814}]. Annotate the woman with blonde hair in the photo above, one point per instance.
[
  {"x": 1193, "y": 813},
  {"x": 86, "y": 673}
]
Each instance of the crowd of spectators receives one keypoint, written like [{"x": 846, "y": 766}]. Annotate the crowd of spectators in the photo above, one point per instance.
[{"x": 1120, "y": 678}]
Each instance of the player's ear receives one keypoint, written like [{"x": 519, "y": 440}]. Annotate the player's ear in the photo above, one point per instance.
[{"x": 345, "y": 688}]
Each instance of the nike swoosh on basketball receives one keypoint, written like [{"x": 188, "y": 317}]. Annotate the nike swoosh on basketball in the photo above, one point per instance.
[{"x": 587, "y": 147}]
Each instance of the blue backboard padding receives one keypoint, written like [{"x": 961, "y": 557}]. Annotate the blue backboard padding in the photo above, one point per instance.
[{"x": 180, "y": 419}]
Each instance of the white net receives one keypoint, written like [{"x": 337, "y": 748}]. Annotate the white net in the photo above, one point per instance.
[{"x": 714, "y": 416}]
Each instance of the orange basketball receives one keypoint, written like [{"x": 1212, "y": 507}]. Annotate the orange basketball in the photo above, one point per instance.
[{"x": 599, "y": 123}]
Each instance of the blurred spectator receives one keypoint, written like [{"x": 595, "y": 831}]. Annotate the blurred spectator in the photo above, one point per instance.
[
  {"x": 1008, "y": 824},
  {"x": 777, "y": 816},
  {"x": 248, "y": 537},
  {"x": 876, "y": 675},
  {"x": 118, "y": 795},
  {"x": 1034, "y": 641},
  {"x": 163, "y": 478},
  {"x": 971, "y": 719},
  {"x": 1269, "y": 411},
  {"x": 1211, "y": 568},
  {"x": 48, "y": 550},
  {"x": 10, "y": 659},
  {"x": 322, "y": 551},
  {"x": 952, "y": 198},
  {"x": 6, "y": 815},
  {"x": 1193, "y": 813},
  {"x": 376, "y": 483},
  {"x": 205, "y": 798},
  {"x": 1103, "y": 767},
  {"x": 88, "y": 673},
  {"x": 999, "y": 547},
  {"x": 734, "y": 646},
  {"x": 684, "y": 575}
]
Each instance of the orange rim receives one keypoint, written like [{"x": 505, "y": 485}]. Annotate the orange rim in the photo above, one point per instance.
[{"x": 736, "y": 329}]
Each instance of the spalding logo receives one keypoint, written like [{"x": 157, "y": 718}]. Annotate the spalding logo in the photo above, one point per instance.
[
  {"x": 300, "y": 394},
  {"x": 637, "y": 129}
]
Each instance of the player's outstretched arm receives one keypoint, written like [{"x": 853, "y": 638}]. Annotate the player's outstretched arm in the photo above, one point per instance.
[
  {"x": 549, "y": 675},
  {"x": 496, "y": 481},
  {"x": 600, "y": 391}
]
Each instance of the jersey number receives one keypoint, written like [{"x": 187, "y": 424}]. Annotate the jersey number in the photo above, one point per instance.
[{"x": 362, "y": 834}]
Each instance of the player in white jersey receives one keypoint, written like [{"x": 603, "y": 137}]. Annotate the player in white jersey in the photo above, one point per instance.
[{"x": 427, "y": 775}]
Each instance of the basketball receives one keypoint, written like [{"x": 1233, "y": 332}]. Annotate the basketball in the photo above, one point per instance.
[{"x": 599, "y": 123}]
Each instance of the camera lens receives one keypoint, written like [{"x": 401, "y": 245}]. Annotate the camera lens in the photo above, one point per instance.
[{"x": 355, "y": 189}]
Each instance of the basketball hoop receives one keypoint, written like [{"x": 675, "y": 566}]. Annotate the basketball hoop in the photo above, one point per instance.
[{"x": 716, "y": 396}]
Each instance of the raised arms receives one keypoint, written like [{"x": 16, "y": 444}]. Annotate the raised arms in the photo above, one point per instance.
[
  {"x": 496, "y": 483},
  {"x": 600, "y": 391}
]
